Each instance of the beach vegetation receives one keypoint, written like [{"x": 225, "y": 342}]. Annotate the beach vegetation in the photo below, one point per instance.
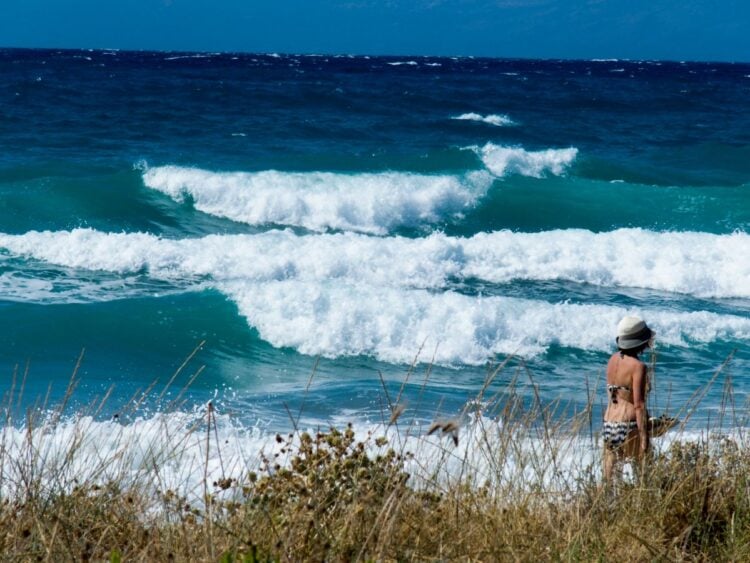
[{"x": 505, "y": 480}]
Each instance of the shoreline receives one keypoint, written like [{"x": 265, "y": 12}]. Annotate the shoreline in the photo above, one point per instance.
[{"x": 201, "y": 492}]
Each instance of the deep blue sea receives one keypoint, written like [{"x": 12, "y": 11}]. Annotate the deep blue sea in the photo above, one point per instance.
[{"x": 330, "y": 232}]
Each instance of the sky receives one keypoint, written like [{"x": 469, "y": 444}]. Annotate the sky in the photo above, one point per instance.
[{"x": 715, "y": 30}]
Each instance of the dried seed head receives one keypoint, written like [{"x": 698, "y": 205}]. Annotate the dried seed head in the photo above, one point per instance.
[
  {"x": 447, "y": 427},
  {"x": 434, "y": 427},
  {"x": 397, "y": 411}
]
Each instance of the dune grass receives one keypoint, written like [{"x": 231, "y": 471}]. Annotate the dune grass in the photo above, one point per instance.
[{"x": 510, "y": 479}]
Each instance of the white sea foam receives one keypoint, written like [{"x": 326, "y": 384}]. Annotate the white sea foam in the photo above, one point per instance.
[
  {"x": 169, "y": 451},
  {"x": 503, "y": 161},
  {"x": 348, "y": 294},
  {"x": 370, "y": 203},
  {"x": 452, "y": 329},
  {"x": 62, "y": 289},
  {"x": 401, "y": 63},
  {"x": 492, "y": 119},
  {"x": 698, "y": 264},
  {"x": 160, "y": 453}
]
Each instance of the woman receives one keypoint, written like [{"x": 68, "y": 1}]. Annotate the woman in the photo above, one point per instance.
[{"x": 626, "y": 420}]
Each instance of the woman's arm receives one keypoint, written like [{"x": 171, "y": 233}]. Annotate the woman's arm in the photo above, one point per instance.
[{"x": 639, "y": 402}]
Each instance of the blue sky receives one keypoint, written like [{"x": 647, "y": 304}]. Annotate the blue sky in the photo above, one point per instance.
[{"x": 638, "y": 29}]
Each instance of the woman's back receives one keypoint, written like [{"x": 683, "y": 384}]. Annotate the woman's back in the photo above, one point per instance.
[{"x": 626, "y": 378}]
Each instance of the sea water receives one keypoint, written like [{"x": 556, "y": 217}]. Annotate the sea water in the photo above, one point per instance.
[{"x": 307, "y": 240}]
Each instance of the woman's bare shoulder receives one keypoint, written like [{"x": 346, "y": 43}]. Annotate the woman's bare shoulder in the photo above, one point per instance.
[{"x": 623, "y": 366}]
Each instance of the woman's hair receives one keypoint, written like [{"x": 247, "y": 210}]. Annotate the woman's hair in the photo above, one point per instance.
[{"x": 634, "y": 351}]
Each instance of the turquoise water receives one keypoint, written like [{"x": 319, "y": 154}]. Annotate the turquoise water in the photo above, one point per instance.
[{"x": 325, "y": 227}]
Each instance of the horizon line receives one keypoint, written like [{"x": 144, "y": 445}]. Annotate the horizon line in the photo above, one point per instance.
[{"x": 372, "y": 55}]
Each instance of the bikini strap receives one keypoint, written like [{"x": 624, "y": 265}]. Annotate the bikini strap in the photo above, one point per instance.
[{"x": 613, "y": 389}]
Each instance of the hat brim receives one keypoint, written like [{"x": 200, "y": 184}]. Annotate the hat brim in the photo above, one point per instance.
[{"x": 634, "y": 341}]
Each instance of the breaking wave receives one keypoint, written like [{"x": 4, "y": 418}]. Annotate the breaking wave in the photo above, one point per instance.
[
  {"x": 698, "y": 264},
  {"x": 504, "y": 161},
  {"x": 368, "y": 203},
  {"x": 349, "y": 294},
  {"x": 491, "y": 119}
]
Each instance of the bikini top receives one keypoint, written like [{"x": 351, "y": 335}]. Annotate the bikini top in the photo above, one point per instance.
[{"x": 613, "y": 389}]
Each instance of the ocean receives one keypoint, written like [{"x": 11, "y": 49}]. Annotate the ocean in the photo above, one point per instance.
[{"x": 303, "y": 240}]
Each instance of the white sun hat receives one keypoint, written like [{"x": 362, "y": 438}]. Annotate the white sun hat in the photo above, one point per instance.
[{"x": 632, "y": 332}]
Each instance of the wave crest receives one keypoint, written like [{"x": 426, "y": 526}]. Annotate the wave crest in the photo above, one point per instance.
[
  {"x": 699, "y": 264},
  {"x": 504, "y": 161},
  {"x": 491, "y": 119},
  {"x": 368, "y": 203},
  {"x": 452, "y": 329}
]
